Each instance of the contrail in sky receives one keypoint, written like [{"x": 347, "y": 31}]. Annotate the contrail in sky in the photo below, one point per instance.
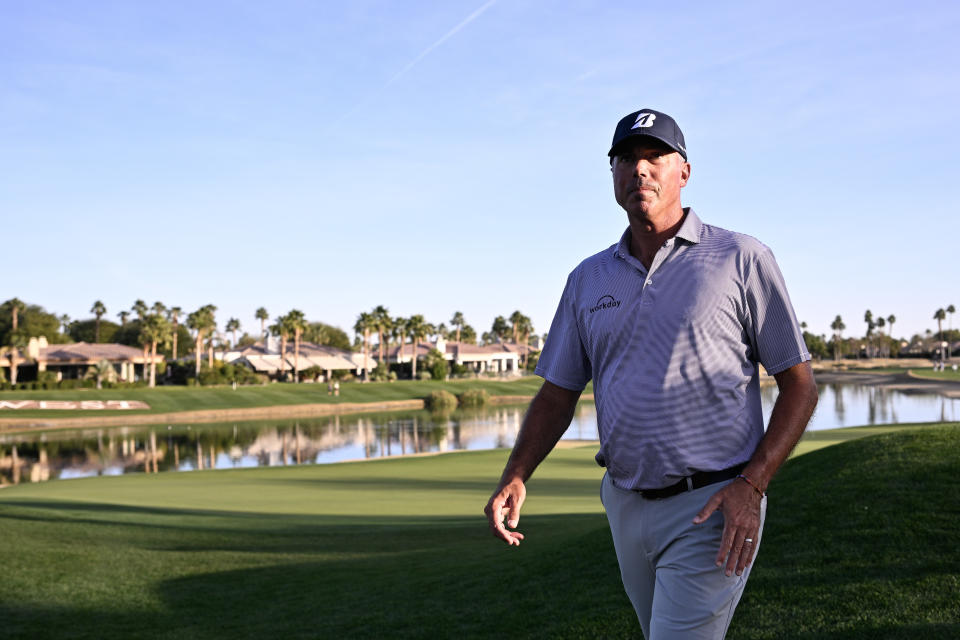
[
  {"x": 423, "y": 54},
  {"x": 449, "y": 34}
]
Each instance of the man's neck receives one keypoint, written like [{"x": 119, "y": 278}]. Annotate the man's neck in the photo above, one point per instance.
[{"x": 647, "y": 237}]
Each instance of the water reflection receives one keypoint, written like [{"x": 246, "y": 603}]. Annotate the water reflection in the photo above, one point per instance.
[
  {"x": 849, "y": 405},
  {"x": 36, "y": 457},
  {"x": 151, "y": 449}
]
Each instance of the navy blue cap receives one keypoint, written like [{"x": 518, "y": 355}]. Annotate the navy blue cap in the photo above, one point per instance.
[{"x": 652, "y": 124}]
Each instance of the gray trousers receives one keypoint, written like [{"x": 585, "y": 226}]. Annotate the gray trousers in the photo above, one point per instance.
[{"x": 667, "y": 563}]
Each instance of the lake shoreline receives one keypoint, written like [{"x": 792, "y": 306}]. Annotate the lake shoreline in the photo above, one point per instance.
[
  {"x": 906, "y": 381},
  {"x": 15, "y": 425}
]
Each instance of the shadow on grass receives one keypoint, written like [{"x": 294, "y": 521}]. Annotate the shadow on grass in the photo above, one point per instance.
[{"x": 437, "y": 578}]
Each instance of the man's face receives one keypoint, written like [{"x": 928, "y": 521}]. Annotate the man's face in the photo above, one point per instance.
[{"x": 647, "y": 178}]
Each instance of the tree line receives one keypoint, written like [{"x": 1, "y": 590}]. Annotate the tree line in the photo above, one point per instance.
[
  {"x": 878, "y": 340},
  {"x": 163, "y": 330}
]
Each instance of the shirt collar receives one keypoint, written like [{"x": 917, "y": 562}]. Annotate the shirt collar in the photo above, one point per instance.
[{"x": 690, "y": 231}]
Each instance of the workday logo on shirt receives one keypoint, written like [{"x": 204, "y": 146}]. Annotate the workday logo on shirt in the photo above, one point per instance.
[{"x": 605, "y": 302}]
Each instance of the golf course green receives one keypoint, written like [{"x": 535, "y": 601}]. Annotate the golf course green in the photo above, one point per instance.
[{"x": 861, "y": 542}]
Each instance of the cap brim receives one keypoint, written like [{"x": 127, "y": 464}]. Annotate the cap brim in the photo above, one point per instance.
[{"x": 632, "y": 136}]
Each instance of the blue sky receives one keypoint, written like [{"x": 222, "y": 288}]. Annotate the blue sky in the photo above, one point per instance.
[{"x": 443, "y": 156}]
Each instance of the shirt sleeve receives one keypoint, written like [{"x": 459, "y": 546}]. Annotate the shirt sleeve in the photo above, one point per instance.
[
  {"x": 564, "y": 361},
  {"x": 775, "y": 335}
]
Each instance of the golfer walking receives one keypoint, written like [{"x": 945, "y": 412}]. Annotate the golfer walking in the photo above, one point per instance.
[{"x": 671, "y": 323}]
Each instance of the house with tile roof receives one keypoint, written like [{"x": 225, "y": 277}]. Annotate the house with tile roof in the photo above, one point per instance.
[
  {"x": 71, "y": 361},
  {"x": 503, "y": 358},
  {"x": 266, "y": 358}
]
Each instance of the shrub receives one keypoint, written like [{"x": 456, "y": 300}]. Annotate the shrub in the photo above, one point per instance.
[
  {"x": 441, "y": 401},
  {"x": 474, "y": 398},
  {"x": 47, "y": 379},
  {"x": 381, "y": 373},
  {"x": 424, "y": 375},
  {"x": 436, "y": 364}
]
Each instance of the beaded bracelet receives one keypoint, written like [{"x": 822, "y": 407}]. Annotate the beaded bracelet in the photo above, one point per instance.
[{"x": 755, "y": 487}]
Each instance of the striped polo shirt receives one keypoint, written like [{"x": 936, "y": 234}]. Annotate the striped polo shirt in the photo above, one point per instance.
[{"x": 673, "y": 351}]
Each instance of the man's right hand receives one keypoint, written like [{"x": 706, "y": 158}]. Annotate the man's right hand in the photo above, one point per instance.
[{"x": 503, "y": 505}]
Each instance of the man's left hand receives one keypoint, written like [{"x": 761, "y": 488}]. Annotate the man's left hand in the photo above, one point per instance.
[{"x": 740, "y": 505}]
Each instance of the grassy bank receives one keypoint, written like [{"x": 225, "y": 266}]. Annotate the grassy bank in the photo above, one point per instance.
[
  {"x": 861, "y": 543},
  {"x": 947, "y": 374},
  {"x": 175, "y": 399}
]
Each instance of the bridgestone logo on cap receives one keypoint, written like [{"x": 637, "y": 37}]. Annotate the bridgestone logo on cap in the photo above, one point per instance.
[{"x": 644, "y": 120}]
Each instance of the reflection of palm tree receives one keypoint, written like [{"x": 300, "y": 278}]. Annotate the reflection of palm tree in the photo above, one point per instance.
[{"x": 838, "y": 407}]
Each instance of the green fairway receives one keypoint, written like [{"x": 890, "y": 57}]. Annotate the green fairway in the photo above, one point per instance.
[
  {"x": 172, "y": 399},
  {"x": 946, "y": 374},
  {"x": 861, "y": 543}
]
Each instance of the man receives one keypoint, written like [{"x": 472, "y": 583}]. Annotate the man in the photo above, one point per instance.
[{"x": 670, "y": 324}]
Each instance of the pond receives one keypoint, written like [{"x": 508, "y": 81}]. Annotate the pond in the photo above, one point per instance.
[{"x": 40, "y": 456}]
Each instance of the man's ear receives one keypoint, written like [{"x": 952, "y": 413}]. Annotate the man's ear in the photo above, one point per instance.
[{"x": 684, "y": 174}]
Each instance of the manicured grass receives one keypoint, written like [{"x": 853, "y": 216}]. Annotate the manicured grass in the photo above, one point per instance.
[
  {"x": 169, "y": 399},
  {"x": 947, "y": 374},
  {"x": 861, "y": 542}
]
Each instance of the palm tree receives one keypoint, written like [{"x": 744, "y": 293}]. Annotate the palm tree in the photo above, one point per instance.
[
  {"x": 881, "y": 322},
  {"x": 154, "y": 329},
  {"x": 233, "y": 325},
  {"x": 516, "y": 318},
  {"x": 951, "y": 310},
  {"x": 98, "y": 309},
  {"x": 16, "y": 307},
  {"x": 458, "y": 321},
  {"x": 159, "y": 308},
  {"x": 262, "y": 315},
  {"x": 282, "y": 329},
  {"x": 417, "y": 328},
  {"x": 296, "y": 323},
  {"x": 868, "y": 318},
  {"x": 175, "y": 321},
  {"x": 890, "y": 320},
  {"x": 364, "y": 323},
  {"x": 123, "y": 315},
  {"x": 64, "y": 322},
  {"x": 140, "y": 308},
  {"x": 940, "y": 315},
  {"x": 500, "y": 328},
  {"x": 18, "y": 345},
  {"x": 202, "y": 321},
  {"x": 382, "y": 322},
  {"x": 838, "y": 327},
  {"x": 101, "y": 371},
  {"x": 400, "y": 333}
]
